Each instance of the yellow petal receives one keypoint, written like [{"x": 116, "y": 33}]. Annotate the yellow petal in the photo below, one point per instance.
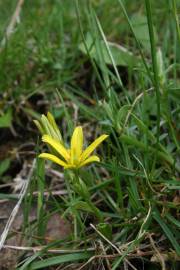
[
  {"x": 53, "y": 158},
  {"x": 57, "y": 146},
  {"x": 46, "y": 125},
  {"x": 89, "y": 160},
  {"x": 52, "y": 122},
  {"x": 92, "y": 146},
  {"x": 76, "y": 145}
]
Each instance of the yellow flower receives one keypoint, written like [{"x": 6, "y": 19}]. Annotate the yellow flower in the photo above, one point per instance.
[{"x": 75, "y": 157}]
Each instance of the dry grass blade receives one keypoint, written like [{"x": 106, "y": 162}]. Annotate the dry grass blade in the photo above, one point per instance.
[
  {"x": 57, "y": 251},
  {"x": 158, "y": 254},
  {"x": 114, "y": 246},
  {"x": 16, "y": 208},
  {"x": 13, "y": 21}
]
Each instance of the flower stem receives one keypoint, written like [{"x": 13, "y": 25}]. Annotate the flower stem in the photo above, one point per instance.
[{"x": 82, "y": 190}]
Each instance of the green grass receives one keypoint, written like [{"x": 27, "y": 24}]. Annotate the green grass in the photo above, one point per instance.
[{"x": 113, "y": 67}]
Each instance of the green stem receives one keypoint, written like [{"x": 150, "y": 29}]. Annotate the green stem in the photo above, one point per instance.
[
  {"x": 71, "y": 202},
  {"x": 84, "y": 193},
  {"x": 176, "y": 18},
  {"x": 154, "y": 63},
  {"x": 137, "y": 41}
]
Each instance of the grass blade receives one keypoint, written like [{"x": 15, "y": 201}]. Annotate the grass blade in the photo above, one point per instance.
[{"x": 167, "y": 231}]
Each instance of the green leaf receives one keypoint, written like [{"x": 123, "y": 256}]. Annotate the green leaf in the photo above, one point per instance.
[
  {"x": 40, "y": 201},
  {"x": 131, "y": 140},
  {"x": 81, "y": 188},
  {"x": 122, "y": 113},
  {"x": 140, "y": 27},
  {"x": 173, "y": 220},
  {"x": 160, "y": 65},
  {"x": 167, "y": 231},
  {"x": 32, "y": 113},
  {"x": 6, "y": 119},
  {"x": 121, "y": 56},
  {"x": 5, "y": 196},
  {"x": 174, "y": 93},
  {"x": 105, "y": 229},
  {"x": 83, "y": 206},
  {"x": 4, "y": 166},
  {"x": 60, "y": 259}
]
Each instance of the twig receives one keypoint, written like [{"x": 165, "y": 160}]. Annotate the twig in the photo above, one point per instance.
[
  {"x": 35, "y": 193},
  {"x": 54, "y": 193},
  {"x": 65, "y": 251},
  {"x": 16, "y": 208},
  {"x": 109, "y": 257},
  {"x": 104, "y": 253},
  {"x": 158, "y": 254},
  {"x": 114, "y": 246},
  {"x": 13, "y": 21},
  {"x": 40, "y": 248},
  {"x": 106, "y": 239}
]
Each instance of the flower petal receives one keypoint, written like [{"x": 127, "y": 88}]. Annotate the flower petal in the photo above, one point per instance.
[
  {"x": 53, "y": 158},
  {"x": 92, "y": 146},
  {"x": 89, "y": 160},
  {"x": 52, "y": 122},
  {"x": 76, "y": 145},
  {"x": 46, "y": 125},
  {"x": 57, "y": 146}
]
